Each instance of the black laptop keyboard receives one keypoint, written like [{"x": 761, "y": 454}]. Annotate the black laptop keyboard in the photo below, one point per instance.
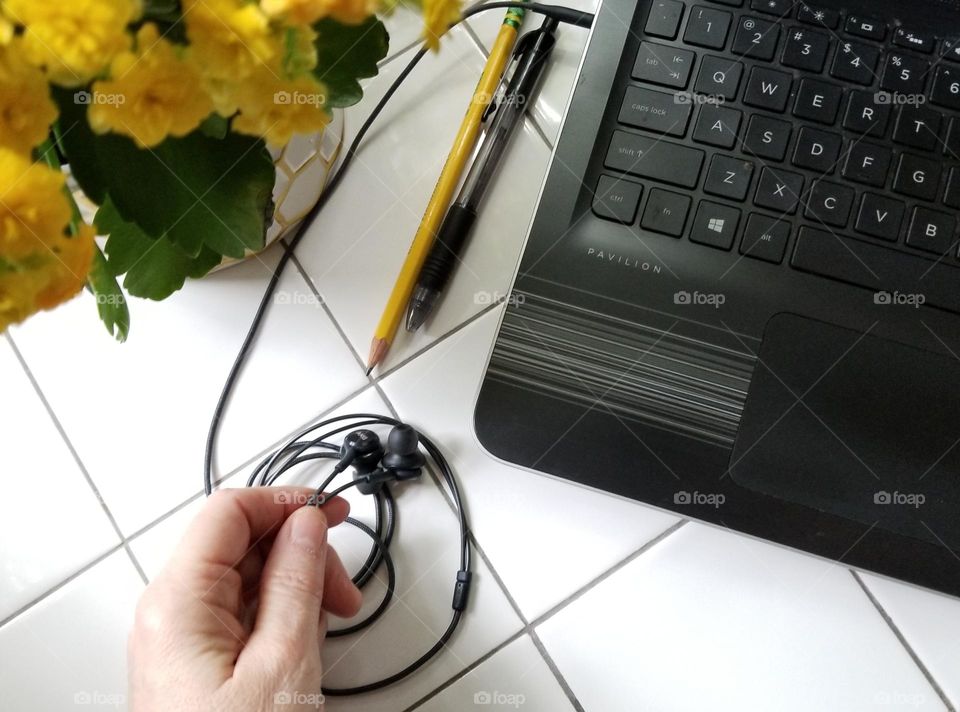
[{"x": 793, "y": 133}]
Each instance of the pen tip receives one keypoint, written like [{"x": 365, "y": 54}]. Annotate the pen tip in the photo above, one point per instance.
[{"x": 415, "y": 319}]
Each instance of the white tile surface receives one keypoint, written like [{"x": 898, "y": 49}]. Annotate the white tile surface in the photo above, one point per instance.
[
  {"x": 710, "y": 619},
  {"x": 562, "y": 70},
  {"x": 51, "y": 523},
  {"x": 356, "y": 248},
  {"x": 522, "y": 520},
  {"x": 514, "y": 678},
  {"x": 930, "y": 622},
  {"x": 138, "y": 412},
  {"x": 426, "y": 554},
  {"x": 69, "y": 651}
]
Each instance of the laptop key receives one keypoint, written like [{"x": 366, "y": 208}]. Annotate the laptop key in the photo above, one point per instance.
[
  {"x": 767, "y": 137},
  {"x": 664, "y": 19},
  {"x": 817, "y": 150},
  {"x": 903, "y": 74},
  {"x": 951, "y": 147},
  {"x": 867, "y": 163},
  {"x": 830, "y": 203},
  {"x": 856, "y": 63},
  {"x": 654, "y": 158},
  {"x": 946, "y": 88},
  {"x": 715, "y": 225},
  {"x": 913, "y": 40},
  {"x": 815, "y": 15},
  {"x": 918, "y": 126},
  {"x": 779, "y": 190},
  {"x": 654, "y": 111},
  {"x": 617, "y": 199},
  {"x": 666, "y": 212},
  {"x": 865, "y": 115},
  {"x": 952, "y": 197},
  {"x": 880, "y": 217},
  {"x": 806, "y": 49},
  {"x": 932, "y": 231},
  {"x": 719, "y": 76},
  {"x": 917, "y": 177},
  {"x": 756, "y": 38},
  {"x": 768, "y": 89},
  {"x": 870, "y": 28},
  {"x": 765, "y": 238},
  {"x": 707, "y": 27},
  {"x": 818, "y": 101},
  {"x": 717, "y": 126},
  {"x": 728, "y": 177},
  {"x": 780, "y": 8},
  {"x": 660, "y": 64}
]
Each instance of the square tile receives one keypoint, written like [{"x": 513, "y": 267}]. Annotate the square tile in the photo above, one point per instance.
[
  {"x": 531, "y": 526},
  {"x": 354, "y": 251},
  {"x": 930, "y": 622},
  {"x": 138, "y": 413},
  {"x": 426, "y": 554},
  {"x": 51, "y": 523},
  {"x": 516, "y": 677},
  {"x": 708, "y": 619},
  {"x": 69, "y": 651}
]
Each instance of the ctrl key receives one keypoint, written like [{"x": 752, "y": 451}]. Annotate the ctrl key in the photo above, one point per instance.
[{"x": 617, "y": 199}]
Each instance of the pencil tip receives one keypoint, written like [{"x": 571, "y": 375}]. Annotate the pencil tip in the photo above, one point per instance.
[
  {"x": 369, "y": 370},
  {"x": 378, "y": 350}
]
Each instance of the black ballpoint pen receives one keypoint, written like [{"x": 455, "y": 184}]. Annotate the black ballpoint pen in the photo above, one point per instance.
[{"x": 531, "y": 54}]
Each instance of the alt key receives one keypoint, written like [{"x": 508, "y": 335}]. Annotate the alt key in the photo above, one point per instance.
[{"x": 617, "y": 199}]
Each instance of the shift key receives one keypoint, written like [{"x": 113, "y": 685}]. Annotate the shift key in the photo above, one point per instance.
[{"x": 655, "y": 159}]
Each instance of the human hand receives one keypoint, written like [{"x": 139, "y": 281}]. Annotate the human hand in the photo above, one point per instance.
[{"x": 236, "y": 619}]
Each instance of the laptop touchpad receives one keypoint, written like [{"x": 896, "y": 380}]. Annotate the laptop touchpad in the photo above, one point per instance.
[{"x": 854, "y": 425}]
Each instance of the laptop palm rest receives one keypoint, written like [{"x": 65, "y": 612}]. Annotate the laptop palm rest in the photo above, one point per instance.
[{"x": 854, "y": 425}]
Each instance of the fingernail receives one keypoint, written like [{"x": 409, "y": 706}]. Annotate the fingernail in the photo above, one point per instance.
[{"x": 309, "y": 528}]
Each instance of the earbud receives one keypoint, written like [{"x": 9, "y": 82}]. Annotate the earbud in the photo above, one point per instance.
[
  {"x": 403, "y": 456},
  {"x": 362, "y": 449}
]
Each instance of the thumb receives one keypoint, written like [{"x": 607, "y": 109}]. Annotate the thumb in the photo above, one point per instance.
[{"x": 291, "y": 588}]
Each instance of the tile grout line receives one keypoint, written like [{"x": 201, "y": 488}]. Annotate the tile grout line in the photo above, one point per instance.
[
  {"x": 548, "y": 659},
  {"x": 888, "y": 619},
  {"x": 76, "y": 458}
]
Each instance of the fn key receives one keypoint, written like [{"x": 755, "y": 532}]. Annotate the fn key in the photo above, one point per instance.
[{"x": 617, "y": 199}]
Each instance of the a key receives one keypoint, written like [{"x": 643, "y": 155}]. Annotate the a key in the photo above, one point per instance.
[
  {"x": 755, "y": 38},
  {"x": 707, "y": 27},
  {"x": 779, "y": 190},
  {"x": 654, "y": 158},
  {"x": 660, "y": 64},
  {"x": 715, "y": 225},
  {"x": 903, "y": 74},
  {"x": 918, "y": 126},
  {"x": 728, "y": 177},
  {"x": 768, "y": 89},
  {"x": 617, "y": 199},
  {"x": 865, "y": 115},
  {"x": 880, "y": 217},
  {"x": 767, "y": 137},
  {"x": 917, "y": 177},
  {"x": 867, "y": 163},
  {"x": 765, "y": 238},
  {"x": 817, "y": 150},
  {"x": 717, "y": 126},
  {"x": 932, "y": 230},
  {"x": 654, "y": 111},
  {"x": 818, "y": 101},
  {"x": 719, "y": 76},
  {"x": 664, "y": 19},
  {"x": 666, "y": 212},
  {"x": 806, "y": 49},
  {"x": 829, "y": 203},
  {"x": 856, "y": 63}
]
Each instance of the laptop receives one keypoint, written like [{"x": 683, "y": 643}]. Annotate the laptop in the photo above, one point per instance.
[{"x": 739, "y": 299}]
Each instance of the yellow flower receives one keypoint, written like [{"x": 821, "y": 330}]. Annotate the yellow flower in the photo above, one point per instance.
[
  {"x": 41, "y": 265},
  {"x": 438, "y": 15},
  {"x": 306, "y": 12},
  {"x": 153, "y": 93},
  {"x": 230, "y": 38},
  {"x": 73, "y": 40},
  {"x": 276, "y": 109},
  {"x": 26, "y": 109},
  {"x": 6, "y": 30}
]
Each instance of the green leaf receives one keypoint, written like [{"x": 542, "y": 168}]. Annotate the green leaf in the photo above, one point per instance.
[
  {"x": 215, "y": 126},
  {"x": 111, "y": 304},
  {"x": 347, "y": 53},
  {"x": 155, "y": 268},
  {"x": 197, "y": 191}
]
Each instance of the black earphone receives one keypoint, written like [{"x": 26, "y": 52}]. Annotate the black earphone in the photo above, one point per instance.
[{"x": 374, "y": 467}]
